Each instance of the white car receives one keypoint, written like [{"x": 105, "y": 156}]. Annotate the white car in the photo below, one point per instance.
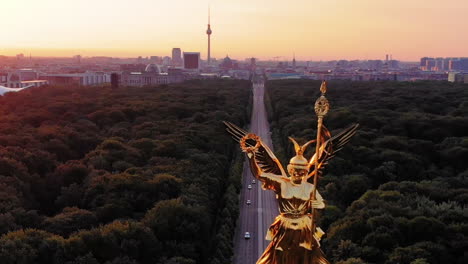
[
  {"x": 248, "y": 202},
  {"x": 253, "y": 181},
  {"x": 247, "y": 235},
  {"x": 249, "y": 187}
]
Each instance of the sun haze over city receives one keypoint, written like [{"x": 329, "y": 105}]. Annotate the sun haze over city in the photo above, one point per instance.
[{"x": 312, "y": 29}]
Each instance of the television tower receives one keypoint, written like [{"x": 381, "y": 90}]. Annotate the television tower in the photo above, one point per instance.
[{"x": 208, "y": 32}]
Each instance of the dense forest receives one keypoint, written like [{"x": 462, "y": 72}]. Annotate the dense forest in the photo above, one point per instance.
[
  {"x": 398, "y": 192},
  {"x": 132, "y": 175}
]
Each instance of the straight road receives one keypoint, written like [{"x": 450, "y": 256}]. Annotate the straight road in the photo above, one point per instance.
[{"x": 258, "y": 216}]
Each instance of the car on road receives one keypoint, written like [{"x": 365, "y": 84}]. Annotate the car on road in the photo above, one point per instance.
[
  {"x": 247, "y": 235},
  {"x": 253, "y": 181},
  {"x": 249, "y": 187},
  {"x": 248, "y": 202}
]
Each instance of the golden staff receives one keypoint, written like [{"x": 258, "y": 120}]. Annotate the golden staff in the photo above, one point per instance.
[{"x": 321, "y": 109}]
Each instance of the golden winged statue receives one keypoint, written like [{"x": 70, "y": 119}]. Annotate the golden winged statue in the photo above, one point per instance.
[{"x": 294, "y": 235}]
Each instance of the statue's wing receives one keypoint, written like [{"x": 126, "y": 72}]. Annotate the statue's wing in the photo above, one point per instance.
[
  {"x": 264, "y": 157},
  {"x": 330, "y": 147},
  {"x": 267, "y": 161}
]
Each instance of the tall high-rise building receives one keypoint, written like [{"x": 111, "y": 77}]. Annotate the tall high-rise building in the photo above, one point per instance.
[
  {"x": 446, "y": 64},
  {"x": 423, "y": 61},
  {"x": 459, "y": 64},
  {"x": 176, "y": 57},
  {"x": 192, "y": 60},
  {"x": 208, "y": 32},
  {"x": 430, "y": 64},
  {"x": 439, "y": 64}
]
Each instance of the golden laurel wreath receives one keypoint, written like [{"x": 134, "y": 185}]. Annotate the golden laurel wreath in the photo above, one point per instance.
[{"x": 247, "y": 148}]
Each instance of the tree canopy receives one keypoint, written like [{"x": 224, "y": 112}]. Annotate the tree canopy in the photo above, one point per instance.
[
  {"x": 128, "y": 175},
  {"x": 397, "y": 193}
]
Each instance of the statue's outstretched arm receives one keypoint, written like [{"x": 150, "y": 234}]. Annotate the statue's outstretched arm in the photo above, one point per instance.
[
  {"x": 254, "y": 167},
  {"x": 270, "y": 181},
  {"x": 262, "y": 160}
]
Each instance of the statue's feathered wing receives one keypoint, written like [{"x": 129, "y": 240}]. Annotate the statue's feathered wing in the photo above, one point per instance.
[
  {"x": 263, "y": 154},
  {"x": 329, "y": 147}
]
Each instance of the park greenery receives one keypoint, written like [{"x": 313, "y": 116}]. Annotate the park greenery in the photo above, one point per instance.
[
  {"x": 398, "y": 192},
  {"x": 94, "y": 175},
  {"x": 120, "y": 176}
]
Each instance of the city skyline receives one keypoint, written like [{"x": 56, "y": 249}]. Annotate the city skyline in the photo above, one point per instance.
[{"x": 313, "y": 30}]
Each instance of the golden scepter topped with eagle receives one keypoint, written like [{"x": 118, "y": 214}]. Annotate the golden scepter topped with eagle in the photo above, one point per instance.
[{"x": 294, "y": 236}]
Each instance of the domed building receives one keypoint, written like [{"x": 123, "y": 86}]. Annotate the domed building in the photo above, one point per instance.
[
  {"x": 228, "y": 64},
  {"x": 153, "y": 68},
  {"x": 153, "y": 75}
]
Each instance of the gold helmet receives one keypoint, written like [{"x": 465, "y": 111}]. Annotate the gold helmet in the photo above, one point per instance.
[{"x": 299, "y": 161}]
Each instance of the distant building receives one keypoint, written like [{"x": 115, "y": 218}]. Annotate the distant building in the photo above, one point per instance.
[
  {"x": 439, "y": 64},
  {"x": 374, "y": 64},
  {"x": 227, "y": 63},
  {"x": 458, "y": 77},
  {"x": 27, "y": 74},
  {"x": 430, "y": 64},
  {"x": 446, "y": 64},
  {"x": 192, "y": 60},
  {"x": 166, "y": 61},
  {"x": 253, "y": 64},
  {"x": 77, "y": 59},
  {"x": 283, "y": 76},
  {"x": 3, "y": 78},
  {"x": 423, "y": 62},
  {"x": 341, "y": 65},
  {"x": 77, "y": 79},
  {"x": 140, "y": 60},
  {"x": 155, "y": 59},
  {"x": 13, "y": 81},
  {"x": 150, "y": 77},
  {"x": 239, "y": 74},
  {"x": 460, "y": 64},
  {"x": 176, "y": 57},
  {"x": 115, "y": 80},
  {"x": 133, "y": 67},
  {"x": 393, "y": 64},
  {"x": 140, "y": 79},
  {"x": 175, "y": 72},
  {"x": 20, "y": 78}
]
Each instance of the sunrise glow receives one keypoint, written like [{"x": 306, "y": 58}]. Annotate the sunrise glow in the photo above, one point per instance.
[{"x": 312, "y": 29}]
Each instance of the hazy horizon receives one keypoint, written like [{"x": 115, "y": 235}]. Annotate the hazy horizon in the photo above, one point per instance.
[{"x": 312, "y": 30}]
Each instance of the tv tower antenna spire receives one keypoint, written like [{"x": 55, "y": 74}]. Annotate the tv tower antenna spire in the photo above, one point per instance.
[{"x": 208, "y": 32}]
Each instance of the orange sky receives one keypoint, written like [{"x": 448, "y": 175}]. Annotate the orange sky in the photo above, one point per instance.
[{"x": 312, "y": 29}]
